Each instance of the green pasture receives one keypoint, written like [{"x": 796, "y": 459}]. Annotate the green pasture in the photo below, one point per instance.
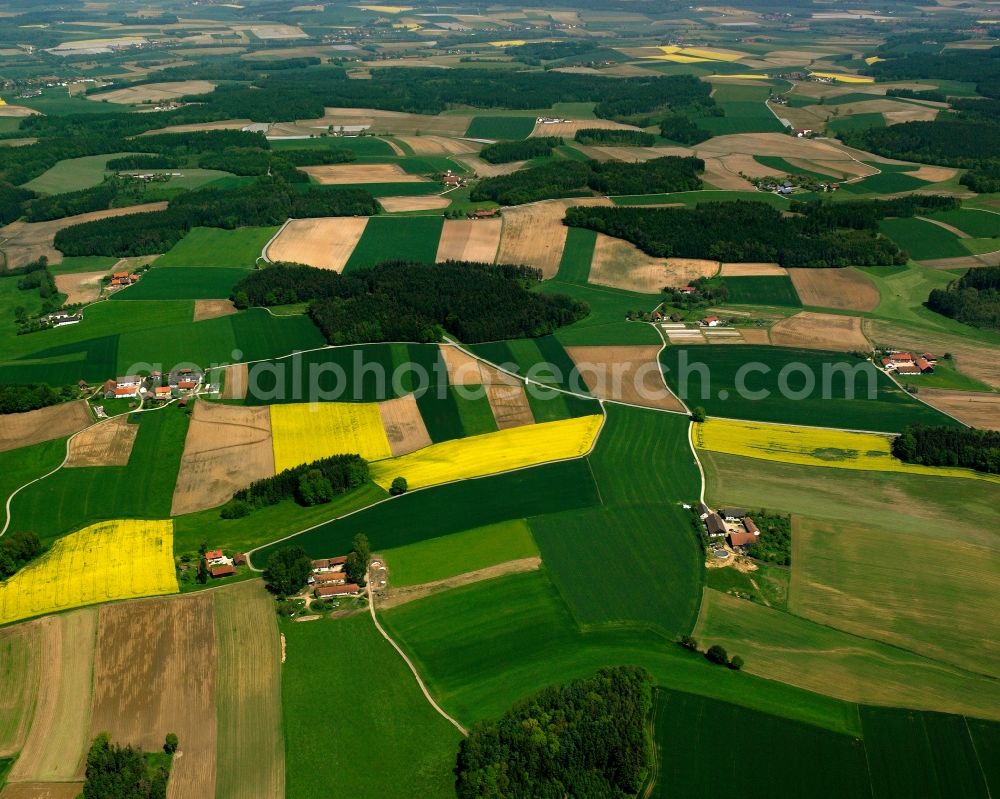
[
  {"x": 83, "y": 263},
  {"x": 73, "y": 174},
  {"x": 209, "y": 246},
  {"x": 745, "y": 111},
  {"x": 458, "y": 553},
  {"x": 143, "y": 489},
  {"x": 606, "y": 323},
  {"x": 548, "y": 405},
  {"x": 574, "y": 266},
  {"x": 18, "y": 466},
  {"x": 500, "y": 127},
  {"x": 453, "y": 508},
  {"x": 855, "y": 122},
  {"x": 359, "y": 145},
  {"x": 183, "y": 283},
  {"x": 410, "y": 238},
  {"x": 793, "y": 386},
  {"x": 886, "y": 182},
  {"x": 762, "y": 290},
  {"x": 416, "y": 747},
  {"x": 944, "y": 376},
  {"x": 542, "y": 360},
  {"x": 923, "y": 240},
  {"x": 978, "y": 224},
  {"x": 693, "y": 198}
]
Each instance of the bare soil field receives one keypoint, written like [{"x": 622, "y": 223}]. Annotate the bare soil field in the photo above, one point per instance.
[
  {"x": 746, "y": 164},
  {"x": 622, "y": 265},
  {"x": 439, "y": 145},
  {"x": 631, "y": 154},
  {"x": 510, "y": 406},
  {"x": 395, "y": 122},
  {"x": 475, "y": 240},
  {"x": 404, "y": 426},
  {"x": 235, "y": 382},
  {"x": 160, "y": 681},
  {"x": 16, "y": 111},
  {"x": 56, "y": 747},
  {"x": 277, "y": 31},
  {"x": 844, "y": 289},
  {"x": 843, "y": 169},
  {"x": 625, "y": 374},
  {"x": 463, "y": 369},
  {"x": 80, "y": 287},
  {"x": 755, "y": 335},
  {"x": 971, "y": 358},
  {"x": 42, "y": 790},
  {"x": 976, "y": 409},
  {"x": 485, "y": 169},
  {"x": 23, "y": 429},
  {"x": 820, "y": 331},
  {"x": 107, "y": 443},
  {"x": 935, "y": 174},
  {"x": 400, "y": 596},
  {"x": 326, "y": 242},
  {"x": 912, "y": 113},
  {"x": 535, "y": 235},
  {"x": 722, "y": 177},
  {"x": 751, "y": 270},
  {"x": 778, "y": 144},
  {"x": 21, "y": 657},
  {"x": 353, "y": 174},
  {"x": 429, "y": 203},
  {"x": 154, "y": 92},
  {"x": 225, "y": 124},
  {"x": 248, "y": 686},
  {"x": 212, "y": 309},
  {"x": 568, "y": 129},
  {"x": 24, "y": 242},
  {"x": 227, "y": 448}
]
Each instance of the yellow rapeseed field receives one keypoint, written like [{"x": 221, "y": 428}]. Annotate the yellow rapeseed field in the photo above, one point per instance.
[
  {"x": 307, "y": 431},
  {"x": 491, "y": 453},
  {"x": 808, "y": 446},
  {"x": 121, "y": 559},
  {"x": 844, "y": 78}
]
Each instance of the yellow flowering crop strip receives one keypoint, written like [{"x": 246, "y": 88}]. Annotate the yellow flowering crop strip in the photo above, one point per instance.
[
  {"x": 809, "y": 446},
  {"x": 490, "y": 453},
  {"x": 107, "y": 561},
  {"x": 307, "y": 431},
  {"x": 843, "y": 78}
]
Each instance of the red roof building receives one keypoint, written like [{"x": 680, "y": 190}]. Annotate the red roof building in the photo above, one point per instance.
[
  {"x": 924, "y": 365},
  {"x": 327, "y": 564},
  {"x": 223, "y": 570},
  {"x": 126, "y": 392},
  {"x": 908, "y": 369},
  {"x": 335, "y": 590},
  {"x": 214, "y": 554},
  {"x": 749, "y": 526},
  {"x": 162, "y": 392},
  {"x": 902, "y": 357},
  {"x": 330, "y": 578},
  {"x": 741, "y": 539}
]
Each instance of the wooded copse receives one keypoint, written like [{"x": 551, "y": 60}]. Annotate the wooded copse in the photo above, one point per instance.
[
  {"x": 504, "y": 152},
  {"x": 401, "y": 301},
  {"x": 32, "y": 396},
  {"x": 581, "y": 178},
  {"x": 620, "y": 137},
  {"x": 949, "y": 446},
  {"x": 740, "y": 231},
  {"x": 973, "y": 299},
  {"x": 585, "y": 738}
]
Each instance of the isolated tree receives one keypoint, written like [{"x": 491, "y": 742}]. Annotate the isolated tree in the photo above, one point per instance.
[
  {"x": 716, "y": 654},
  {"x": 288, "y": 571},
  {"x": 171, "y": 743},
  {"x": 358, "y": 559},
  {"x": 736, "y": 663},
  {"x": 689, "y": 642},
  {"x": 698, "y": 414},
  {"x": 399, "y": 486}
]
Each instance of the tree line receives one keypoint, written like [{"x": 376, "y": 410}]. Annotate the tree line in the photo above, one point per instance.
[
  {"x": 26, "y": 397},
  {"x": 621, "y": 137},
  {"x": 949, "y": 446},
  {"x": 315, "y": 483},
  {"x": 582, "y": 178},
  {"x": 503, "y": 152},
  {"x": 741, "y": 231},
  {"x": 584, "y": 738},
  {"x": 973, "y": 299},
  {"x": 402, "y": 301},
  {"x": 269, "y": 201}
]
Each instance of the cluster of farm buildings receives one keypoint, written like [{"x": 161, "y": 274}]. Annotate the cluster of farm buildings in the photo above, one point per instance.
[
  {"x": 179, "y": 383},
  {"x": 218, "y": 564},
  {"x": 329, "y": 578},
  {"x": 733, "y": 524},
  {"x": 905, "y": 363}
]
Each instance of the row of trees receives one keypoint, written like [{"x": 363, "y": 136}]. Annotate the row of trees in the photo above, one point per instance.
[
  {"x": 740, "y": 231},
  {"x": 579, "y": 178},
  {"x": 585, "y": 738},
  {"x": 503, "y": 152},
  {"x": 621, "y": 137},
  {"x": 270, "y": 201},
  {"x": 31, "y": 396},
  {"x": 313, "y": 483},
  {"x": 973, "y": 299},
  {"x": 402, "y": 301},
  {"x": 949, "y": 446}
]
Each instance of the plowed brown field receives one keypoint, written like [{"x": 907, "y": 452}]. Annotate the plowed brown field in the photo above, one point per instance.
[
  {"x": 107, "y": 443},
  {"x": 404, "y": 426},
  {"x": 625, "y": 374},
  {"x": 473, "y": 240},
  {"x": 23, "y": 429}
]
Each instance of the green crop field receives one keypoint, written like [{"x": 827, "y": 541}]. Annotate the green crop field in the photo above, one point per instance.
[
  {"x": 923, "y": 240},
  {"x": 887, "y": 182},
  {"x": 855, "y": 122},
  {"x": 438, "y": 558},
  {"x": 73, "y": 174},
  {"x": 206, "y": 246},
  {"x": 21, "y": 687},
  {"x": 817, "y": 387},
  {"x": 606, "y": 323},
  {"x": 773, "y": 757},
  {"x": 745, "y": 111},
  {"x": 497, "y": 127},
  {"x": 692, "y": 198},
  {"x": 978, "y": 224},
  {"x": 359, "y": 145},
  {"x": 182, "y": 283},
  {"x": 543, "y": 360},
  {"x": 452, "y": 508},
  {"x": 417, "y": 747},
  {"x": 763, "y": 290},
  {"x": 410, "y": 189},
  {"x": 548, "y": 405},
  {"x": 455, "y": 412},
  {"x": 83, "y": 263},
  {"x": 936, "y": 594},
  {"x": 926, "y": 754},
  {"x": 410, "y": 238},
  {"x": 143, "y": 489},
  {"x": 18, "y": 466},
  {"x": 779, "y": 646},
  {"x": 781, "y": 166},
  {"x": 574, "y": 266}
]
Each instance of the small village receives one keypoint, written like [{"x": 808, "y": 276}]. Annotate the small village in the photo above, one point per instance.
[{"x": 906, "y": 363}]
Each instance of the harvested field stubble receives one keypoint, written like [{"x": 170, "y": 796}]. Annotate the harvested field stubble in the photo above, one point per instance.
[
  {"x": 107, "y": 443},
  {"x": 622, "y": 265},
  {"x": 404, "y": 426},
  {"x": 212, "y": 309},
  {"x": 625, "y": 374},
  {"x": 535, "y": 234},
  {"x": 138, "y": 705},
  {"x": 469, "y": 240},
  {"x": 752, "y": 270},
  {"x": 227, "y": 448},
  {"x": 510, "y": 406},
  {"x": 438, "y": 145},
  {"x": 20, "y": 665},
  {"x": 399, "y": 204},
  {"x": 821, "y": 331},
  {"x": 326, "y": 243},
  {"x": 235, "y": 382},
  {"x": 80, "y": 287},
  {"x": 844, "y": 289},
  {"x": 976, "y": 409},
  {"x": 23, "y": 429},
  {"x": 354, "y": 174}
]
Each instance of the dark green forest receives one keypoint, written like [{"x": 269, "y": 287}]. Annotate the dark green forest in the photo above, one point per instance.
[
  {"x": 949, "y": 446},
  {"x": 973, "y": 299}
]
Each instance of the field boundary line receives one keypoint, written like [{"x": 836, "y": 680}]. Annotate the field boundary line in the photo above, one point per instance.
[
  {"x": 263, "y": 252},
  {"x": 409, "y": 663}
]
